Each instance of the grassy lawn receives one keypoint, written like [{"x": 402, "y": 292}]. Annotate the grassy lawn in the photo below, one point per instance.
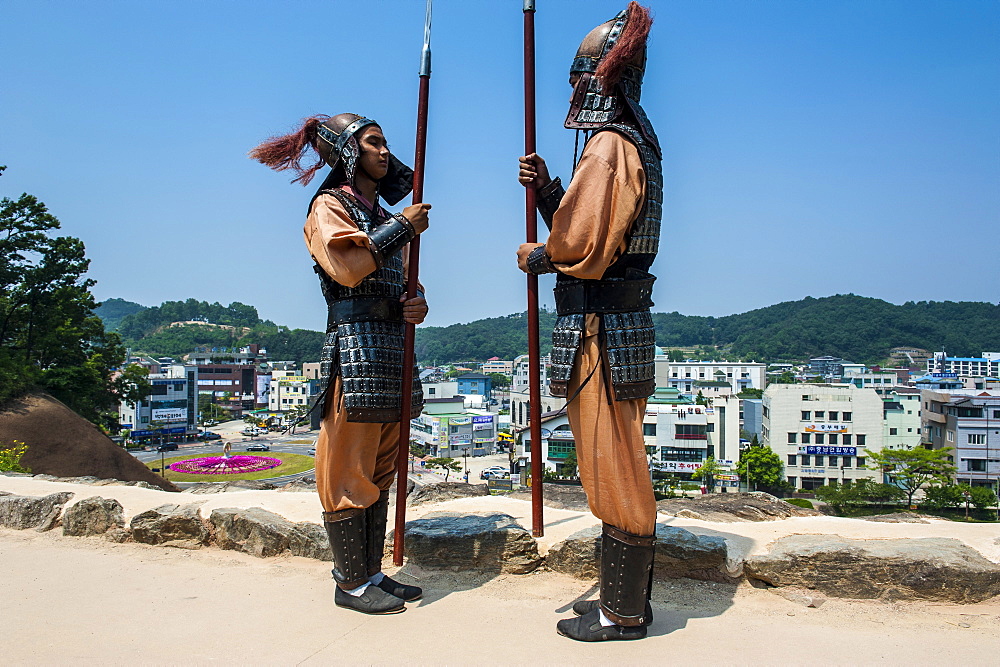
[{"x": 291, "y": 464}]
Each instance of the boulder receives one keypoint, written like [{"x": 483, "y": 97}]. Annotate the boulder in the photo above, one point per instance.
[
  {"x": 40, "y": 513},
  {"x": 93, "y": 516},
  {"x": 301, "y": 484},
  {"x": 226, "y": 487},
  {"x": 172, "y": 526},
  {"x": 261, "y": 533},
  {"x": 490, "y": 543},
  {"x": 442, "y": 491},
  {"x": 679, "y": 553},
  {"x": 899, "y": 517},
  {"x": 930, "y": 568},
  {"x": 558, "y": 496},
  {"x": 731, "y": 507}
]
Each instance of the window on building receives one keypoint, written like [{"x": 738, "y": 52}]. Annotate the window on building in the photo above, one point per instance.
[
  {"x": 846, "y": 462},
  {"x": 996, "y": 414},
  {"x": 792, "y": 438},
  {"x": 861, "y": 462},
  {"x": 792, "y": 458},
  {"x": 819, "y": 460},
  {"x": 674, "y": 375},
  {"x": 977, "y": 465},
  {"x": 861, "y": 439},
  {"x": 806, "y": 415},
  {"x": 833, "y": 461},
  {"x": 846, "y": 438},
  {"x": 833, "y": 415},
  {"x": 806, "y": 459},
  {"x": 806, "y": 437},
  {"x": 144, "y": 420},
  {"x": 846, "y": 417},
  {"x": 431, "y": 391},
  {"x": 819, "y": 439},
  {"x": 765, "y": 411},
  {"x": 649, "y": 429},
  {"x": 977, "y": 438},
  {"x": 710, "y": 428},
  {"x": 682, "y": 454},
  {"x": 819, "y": 414},
  {"x": 951, "y": 436},
  {"x": 893, "y": 431}
]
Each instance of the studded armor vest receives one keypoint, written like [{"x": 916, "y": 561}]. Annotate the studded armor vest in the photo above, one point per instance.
[
  {"x": 622, "y": 297},
  {"x": 364, "y": 333}
]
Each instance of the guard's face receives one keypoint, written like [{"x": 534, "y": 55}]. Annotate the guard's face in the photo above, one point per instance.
[{"x": 374, "y": 158}]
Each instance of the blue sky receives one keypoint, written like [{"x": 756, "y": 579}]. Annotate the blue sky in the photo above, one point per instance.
[{"x": 810, "y": 148}]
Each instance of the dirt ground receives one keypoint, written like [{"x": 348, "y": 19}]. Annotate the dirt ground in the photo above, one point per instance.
[{"x": 85, "y": 601}]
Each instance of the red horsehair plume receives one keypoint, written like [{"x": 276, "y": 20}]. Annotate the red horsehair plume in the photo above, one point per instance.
[
  {"x": 629, "y": 44},
  {"x": 287, "y": 151}
]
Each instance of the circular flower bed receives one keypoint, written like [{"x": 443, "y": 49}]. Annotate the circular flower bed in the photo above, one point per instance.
[{"x": 220, "y": 465}]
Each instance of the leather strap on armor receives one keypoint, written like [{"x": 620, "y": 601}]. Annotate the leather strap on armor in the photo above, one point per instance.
[
  {"x": 377, "y": 516},
  {"x": 603, "y": 296},
  {"x": 362, "y": 308},
  {"x": 626, "y": 563},
  {"x": 348, "y": 536},
  {"x": 389, "y": 238},
  {"x": 547, "y": 200},
  {"x": 539, "y": 262}
]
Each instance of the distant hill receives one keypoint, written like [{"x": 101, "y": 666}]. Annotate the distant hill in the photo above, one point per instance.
[
  {"x": 857, "y": 328},
  {"x": 113, "y": 311}
]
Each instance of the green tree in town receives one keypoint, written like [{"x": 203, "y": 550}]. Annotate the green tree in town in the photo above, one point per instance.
[
  {"x": 911, "y": 469},
  {"x": 982, "y": 497},
  {"x": 499, "y": 380},
  {"x": 762, "y": 469},
  {"x": 707, "y": 472},
  {"x": 785, "y": 378},
  {"x": 944, "y": 496},
  {"x": 569, "y": 465},
  {"x": 447, "y": 464}
]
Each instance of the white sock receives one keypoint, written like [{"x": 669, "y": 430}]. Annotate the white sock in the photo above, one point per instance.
[
  {"x": 376, "y": 578},
  {"x": 358, "y": 591},
  {"x": 605, "y": 622}
]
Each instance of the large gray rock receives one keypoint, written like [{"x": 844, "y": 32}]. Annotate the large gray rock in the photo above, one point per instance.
[
  {"x": 261, "y": 533},
  {"x": 931, "y": 568},
  {"x": 93, "y": 516},
  {"x": 41, "y": 513},
  {"x": 488, "y": 543},
  {"x": 732, "y": 507},
  {"x": 679, "y": 553},
  {"x": 172, "y": 526},
  {"x": 301, "y": 484},
  {"x": 442, "y": 491},
  {"x": 225, "y": 487}
]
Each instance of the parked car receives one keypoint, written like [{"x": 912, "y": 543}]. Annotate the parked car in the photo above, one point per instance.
[
  {"x": 259, "y": 447},
  {"x": 497, "y": 474},
  {"x": 167, "y": 447},
  {"x": 208, "y": 435},
  {"x": 492, "y": 471},
  {"x": 312, "y": 451}
]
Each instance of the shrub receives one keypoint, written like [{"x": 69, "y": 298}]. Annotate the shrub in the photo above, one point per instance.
[
  {"x": 943, "y": 497},
  {"x": 800, "y": 502},
  {"x": 10, "y": 457},
  {"x": 982, "y": 497}
]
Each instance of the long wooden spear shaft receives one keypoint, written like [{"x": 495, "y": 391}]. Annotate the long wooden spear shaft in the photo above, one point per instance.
[
  {"x": 409, "y": 330},
  {"x": 531, "y": 229}
]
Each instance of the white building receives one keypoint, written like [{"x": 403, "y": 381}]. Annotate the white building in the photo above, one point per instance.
[
  {"x": 824, "y": 433},
  {"x": 683, "y": 375},
  {"x": 448, "y": 429},
  {"x": 986, "y": 365},
  {"x": 498, "y": 366},
  {"x": 683, "y": 434},
  {"x": 170, "y": 411},
  {"x": 288, "y": 390}
]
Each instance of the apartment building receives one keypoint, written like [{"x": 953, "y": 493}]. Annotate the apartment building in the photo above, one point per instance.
[
  {"x": 986, "y": 365},
  {"x": 822, "y": 432},
  {"x": 727, "y": 377},
  {"x": 968, "y": 423},
  {"x": 170, "y": 412},
  {"x": 448, "y": 429},
  {"x": 683, "y": 434}
]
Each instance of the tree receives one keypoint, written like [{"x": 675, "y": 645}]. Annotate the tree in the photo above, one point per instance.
[
  {"x": 50, "y": 338},
  {"x": 785, "y": 378},
  {"x": 707, "y": 471},
  {"x": 944, "y": 496},
  {"x": 750, "y": 392},
  {"x": 910, "y": 469},
  {"x": 449, "y": 465},
  {"x": 982, "y": 497},
  {"x": 675, "y": 355},
  {"x": 762, "y": 469},
  {"x": 499, "y": 380},
  {"x": 569, "y": 465}
]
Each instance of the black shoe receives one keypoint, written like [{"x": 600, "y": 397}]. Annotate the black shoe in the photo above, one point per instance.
[
  {"x": 402, "y": 591},
  {"x": 373, "y": 600},
  {"x": 588, "y": 628},
  {"x": 586, "y": 606}
]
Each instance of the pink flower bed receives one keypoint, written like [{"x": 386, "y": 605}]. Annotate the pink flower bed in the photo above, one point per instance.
[{"x": 219, "y": 465}]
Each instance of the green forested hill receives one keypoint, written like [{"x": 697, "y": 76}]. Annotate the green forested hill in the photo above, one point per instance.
[
  {"x": 113, "y": 311},
  {"x": 857, "y": 328}
]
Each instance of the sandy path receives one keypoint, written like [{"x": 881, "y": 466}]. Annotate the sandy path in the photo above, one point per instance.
[{"x": 85, "y": 601}]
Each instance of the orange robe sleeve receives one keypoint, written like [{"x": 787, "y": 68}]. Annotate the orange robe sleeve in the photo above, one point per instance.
[{"x": 603, "y": 199}]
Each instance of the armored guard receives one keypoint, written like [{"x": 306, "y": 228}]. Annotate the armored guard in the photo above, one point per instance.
[
  {"x": 357, "y": 247},
  {"x": 604, "y": 232}
]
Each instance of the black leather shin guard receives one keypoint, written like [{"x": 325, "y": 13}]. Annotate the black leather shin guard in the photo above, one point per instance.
[
  {"x": 626, "y": 564},
  {"x": 376, "y": 517},
  {"x": 346, "y": 530}
]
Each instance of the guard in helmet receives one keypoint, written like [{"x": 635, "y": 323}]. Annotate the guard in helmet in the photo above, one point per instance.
[
  {"x": 358, "y": 250},
  {"x": 603, "y": 236}
]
